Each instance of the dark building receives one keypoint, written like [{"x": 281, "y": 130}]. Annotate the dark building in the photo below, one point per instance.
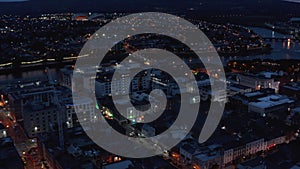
[
  {"x": 291, "y": 89},
  {"x": 9, "y": 157}
]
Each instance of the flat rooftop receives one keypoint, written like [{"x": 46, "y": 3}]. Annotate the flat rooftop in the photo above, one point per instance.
[{"x": 271, "y": 101}]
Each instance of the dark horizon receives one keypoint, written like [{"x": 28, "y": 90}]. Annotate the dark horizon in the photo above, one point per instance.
[{"x": 201, "y": 8}]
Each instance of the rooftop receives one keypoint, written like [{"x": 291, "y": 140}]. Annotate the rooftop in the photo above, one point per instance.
[
  {"x": 74, "y": 136},
  {"x": 271, "y": 101},
  {"x": 119, "y": 165},
  {"x": 254, "y": 76},
  {"x": 207, "y": 156},
  {"x": 269, "y": 74},
  {"x": 36, "y": 107},
  {"x": 253, "y": 163},
  {"x": 292, "y": 86},
  {"x": 253, "y": 94}
]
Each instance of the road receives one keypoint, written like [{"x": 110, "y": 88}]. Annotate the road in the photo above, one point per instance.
[{"x": 24, "y": 145}]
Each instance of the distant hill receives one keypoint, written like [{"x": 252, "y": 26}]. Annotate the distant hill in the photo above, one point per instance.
[{"x": 200, "y": 7}]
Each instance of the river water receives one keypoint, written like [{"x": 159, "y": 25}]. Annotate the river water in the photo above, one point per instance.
[
  {"x": 28, "y": 75},
  {"x": 282, "y": 50}
]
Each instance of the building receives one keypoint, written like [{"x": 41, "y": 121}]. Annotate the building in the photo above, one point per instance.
[
  {"x": 275, "y": 132},
  {"x": 205, "y": 85},
  {"x": 34, "y": 105},
  {"x": 148, "y": 131},
  {"x": 80, "y": 151},
  {"x": 255, "y": 146},
  {"x": 199, "y": 156},
  {"x": 9, "y": 157},
  {"x": 66, "y": 76},
  {"x": 164, "y": 82},
  {"x": 85, "y": 111},
  {"x": 119, "y": 165},
  {"x": 240, "y": 102},
  {"x": 257, "y": 82},
  {"x": 270, "y": 104},
  {"x": 257, "y": 163},
  {"x": 134, "y": 114},
  {"x": 38, "y": 118},
  {"x": 241, "y": 149},
  {"x": 291, "y": 90},
  {"x": 247, "y": 136},
  {"x": 29, "y": 92},
  {"x": 105, "y": 86},
  {"x": 209, "y": 158},
  {"x": 85, "y": 79},
  {"x": 40, "y": 106},
  {"x": 294, "y": 118},
  {"x": 234, "y": 89},
  {"x": 187, "y": 152}
]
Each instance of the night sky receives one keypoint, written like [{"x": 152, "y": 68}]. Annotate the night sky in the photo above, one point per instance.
[{"x": 201, "y": 7}]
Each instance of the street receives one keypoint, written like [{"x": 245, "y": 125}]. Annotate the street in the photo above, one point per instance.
[{"x": 27, "y": 148}]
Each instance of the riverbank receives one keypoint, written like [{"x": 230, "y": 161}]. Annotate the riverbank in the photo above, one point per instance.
[{"x": 33, "y": 67}]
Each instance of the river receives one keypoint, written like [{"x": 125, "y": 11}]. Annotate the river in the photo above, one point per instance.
[
  {"x": 282, "y": 50},
  {"x": 28, "y": 75}
]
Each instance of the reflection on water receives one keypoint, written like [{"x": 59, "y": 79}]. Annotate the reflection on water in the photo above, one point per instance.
[
  {"x": 289, "y": 44},
  {"x": 27, "y": 75},
  {"x": 281, "y": 50},
  {"x": 266, "y": 33}
]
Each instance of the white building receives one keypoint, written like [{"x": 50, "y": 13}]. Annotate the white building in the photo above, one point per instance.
[
  {"x": 85, "y": 111},
  {"x": 269, "y": 104},
  {"x": 241, "y": 150},
  {"x": 255, "y": 147},
  {"x": 257, "y": 82},
  {"x": 219, "y": 94},
  {"x": 120, "y": 86},
  {"x": 85, "y": 79},
  {"x": 228, "y": 156}
]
